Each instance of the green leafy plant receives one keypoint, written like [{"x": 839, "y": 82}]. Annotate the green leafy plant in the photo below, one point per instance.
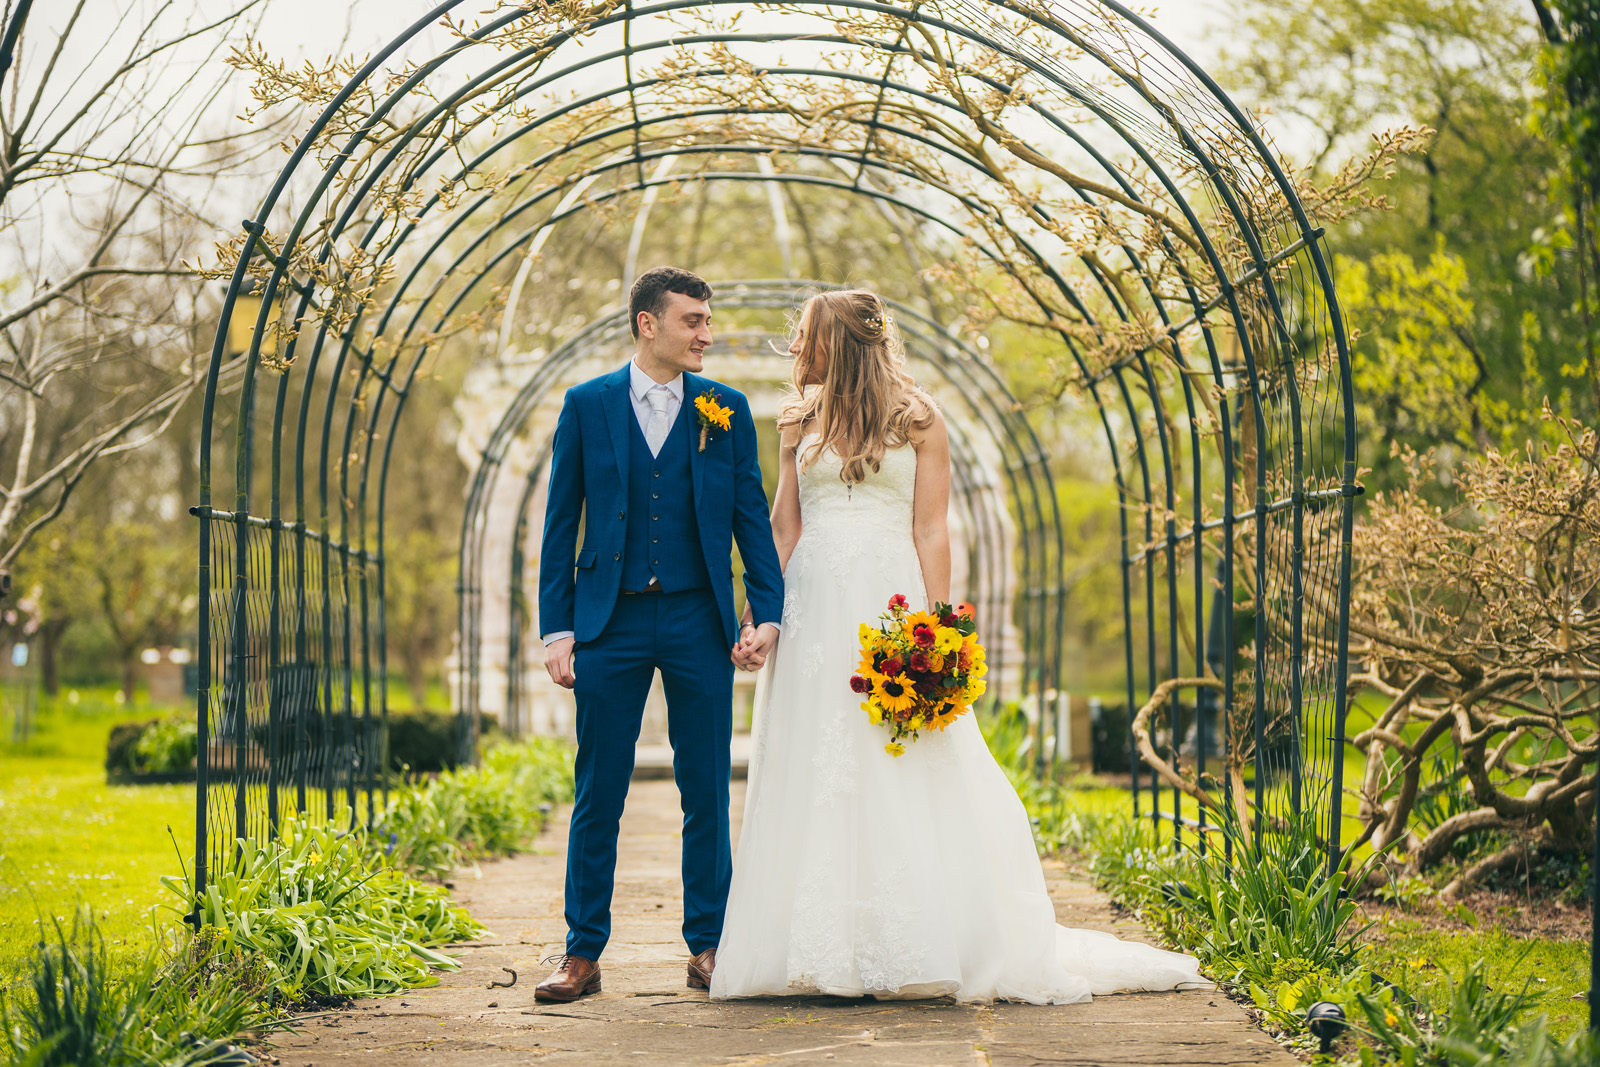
[
  {"x": 73, "y": 1009},
  {"x": 166, "y": 746},
  {"x": 328, "y": 916},
  {"x": 1476, "y": 1025},
  {"x": 488, "y": 810},
  {"x": 71, "y": 1012}
]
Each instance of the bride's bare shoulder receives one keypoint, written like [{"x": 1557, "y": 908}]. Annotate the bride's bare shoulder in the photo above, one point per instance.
[{"x": 927, "y": 424}]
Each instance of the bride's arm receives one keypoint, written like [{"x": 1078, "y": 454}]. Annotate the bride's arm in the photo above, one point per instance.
[
  {"x": 785, "y": 503},
  {"x": 931, "y": 508}
]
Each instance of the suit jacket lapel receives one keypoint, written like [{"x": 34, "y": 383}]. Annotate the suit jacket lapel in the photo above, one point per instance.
[
  {"x": 692, "y": 387},
  {"x": 618, "y": 405}
]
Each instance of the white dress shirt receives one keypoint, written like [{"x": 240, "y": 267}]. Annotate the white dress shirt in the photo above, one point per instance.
[{"x": 640, "y": 383}]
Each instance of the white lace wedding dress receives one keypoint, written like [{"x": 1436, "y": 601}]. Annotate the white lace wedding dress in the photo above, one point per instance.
[{"x": 859, "y": 873}]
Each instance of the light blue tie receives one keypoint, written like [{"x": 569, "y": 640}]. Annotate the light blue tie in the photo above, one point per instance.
[{"x": 655, "y": 430}]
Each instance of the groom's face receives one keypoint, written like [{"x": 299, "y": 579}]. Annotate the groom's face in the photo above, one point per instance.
[{"x": 681, "y": 332}]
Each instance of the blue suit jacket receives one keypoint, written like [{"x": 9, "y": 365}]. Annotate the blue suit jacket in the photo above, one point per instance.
[{"x": 589, "y": 473}]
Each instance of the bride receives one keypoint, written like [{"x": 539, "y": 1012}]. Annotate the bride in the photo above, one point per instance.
[{"x": 859, "y": 873}]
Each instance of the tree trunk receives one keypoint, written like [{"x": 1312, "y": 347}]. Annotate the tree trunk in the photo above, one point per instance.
[
  {"x": 50, "y": 632},
  {"x": 416, "y": 677},
  {"x": 130, "y": 675}
]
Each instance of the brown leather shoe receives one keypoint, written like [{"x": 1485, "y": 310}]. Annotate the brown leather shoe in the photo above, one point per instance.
[
  {"x": 700, "y": 968},
  {"x": 574, "y": 977}
]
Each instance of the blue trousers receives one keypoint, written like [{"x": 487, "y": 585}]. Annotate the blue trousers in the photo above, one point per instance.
[{"x": 680, "y": 634}]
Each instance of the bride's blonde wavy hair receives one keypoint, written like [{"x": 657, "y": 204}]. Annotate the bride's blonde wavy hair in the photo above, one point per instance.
[{"x": 866, "y": 403}]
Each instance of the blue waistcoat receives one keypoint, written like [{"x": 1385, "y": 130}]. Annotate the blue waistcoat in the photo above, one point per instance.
[{"x": 663, "y": 537}]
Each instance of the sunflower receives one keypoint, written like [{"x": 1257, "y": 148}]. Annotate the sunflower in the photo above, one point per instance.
[
  {"x": 712, "y": 412},
  {"x": 894, "y": 694},
  {"x": 973, "y": 658},
  {"x": 920, "y": 618},
  {"x": 867, "y": 666}
]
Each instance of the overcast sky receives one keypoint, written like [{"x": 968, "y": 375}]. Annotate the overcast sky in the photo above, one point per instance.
[{"x": 307, "y": 28}]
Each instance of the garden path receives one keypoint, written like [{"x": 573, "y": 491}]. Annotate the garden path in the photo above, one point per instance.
[{"x": 647, "y": 1016}]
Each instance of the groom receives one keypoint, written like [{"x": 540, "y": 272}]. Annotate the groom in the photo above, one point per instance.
[{"x": 661, "y": 492}]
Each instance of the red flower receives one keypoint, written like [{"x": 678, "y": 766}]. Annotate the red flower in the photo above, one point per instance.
[
  {"x": 919, "y": 660},
  {"x": 923, "y": 635},
  {"x": 859, "y": 684},
  {"x": 897, "y": 603},
  {"x": 892, "y": 666},
  {"x": 947, "y": 619}
]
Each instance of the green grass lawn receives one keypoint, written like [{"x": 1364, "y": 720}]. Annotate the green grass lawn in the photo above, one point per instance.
[
  {"x": 1422, "y": 960},
  {"x": 67, "y": 838}
]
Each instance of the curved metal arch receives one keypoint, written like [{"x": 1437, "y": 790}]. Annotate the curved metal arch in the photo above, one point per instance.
[
  {"x": 1037, "y": 107},
  {"x": 1107, "y": 115}
]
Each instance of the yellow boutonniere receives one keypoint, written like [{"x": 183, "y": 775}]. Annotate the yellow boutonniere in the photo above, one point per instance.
[{"x": 710, "y": 413}]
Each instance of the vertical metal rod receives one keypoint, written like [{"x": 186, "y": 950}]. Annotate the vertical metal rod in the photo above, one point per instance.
[
  {"x": 347, "y": 701},
  {"x": 202, "y": 764},
  {"x": 1262, "y": 761},
  {"x": 1594, "y": 918},
  {"x": 274, "y": 693}
]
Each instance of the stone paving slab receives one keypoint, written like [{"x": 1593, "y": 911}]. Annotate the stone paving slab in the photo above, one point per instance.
[{"x": 646, "y": 1015}]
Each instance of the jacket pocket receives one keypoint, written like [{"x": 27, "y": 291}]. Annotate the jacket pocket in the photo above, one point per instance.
[{"x": 586, "y": 558}]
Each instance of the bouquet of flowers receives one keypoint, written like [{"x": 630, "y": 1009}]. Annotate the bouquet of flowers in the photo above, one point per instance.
[{"x": 919, "y": 670}]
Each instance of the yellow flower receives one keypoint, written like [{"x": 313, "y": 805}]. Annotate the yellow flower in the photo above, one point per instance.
[
  {"x": 893, "y": 694},
  {"x": 917, "y": 722},
  {"x": 947, "y": 639},
  {"x": 921, "y": 618},
  {"x": 869, "y": 636},
  {"x": 1390, "y": 1017},
  {"x": 713, "y": 412},
  {"x": 874, "y": 712},
  {"x": 975, "y": 689},
  {"x": 895, "y": 748},
  {"x": 935, "y": 662}
]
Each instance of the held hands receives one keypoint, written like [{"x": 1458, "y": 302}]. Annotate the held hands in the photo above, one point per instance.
[
  {"x": 558, "y": 661},
  {"x": 755, "y": 645}
]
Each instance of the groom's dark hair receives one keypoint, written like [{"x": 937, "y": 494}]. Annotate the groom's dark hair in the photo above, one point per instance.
[{"x": 650, "y": 289}]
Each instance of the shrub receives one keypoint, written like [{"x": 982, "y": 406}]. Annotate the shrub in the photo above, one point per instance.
[
  {"x": 492, "y": 809},
  {"x": 121, "y": 743},
  {"x": 327, "y": 916},
  {"x": 166, "y": 747},
  {"x": 72, "y": 1011},
  {"x": 425, "y": 742},
  {"x": 155, "y": 746}
]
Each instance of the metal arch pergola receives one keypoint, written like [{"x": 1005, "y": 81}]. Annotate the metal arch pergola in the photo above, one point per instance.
[
  {"x": 990, "y": 408},
  {"x": 293, "y": 674}
]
